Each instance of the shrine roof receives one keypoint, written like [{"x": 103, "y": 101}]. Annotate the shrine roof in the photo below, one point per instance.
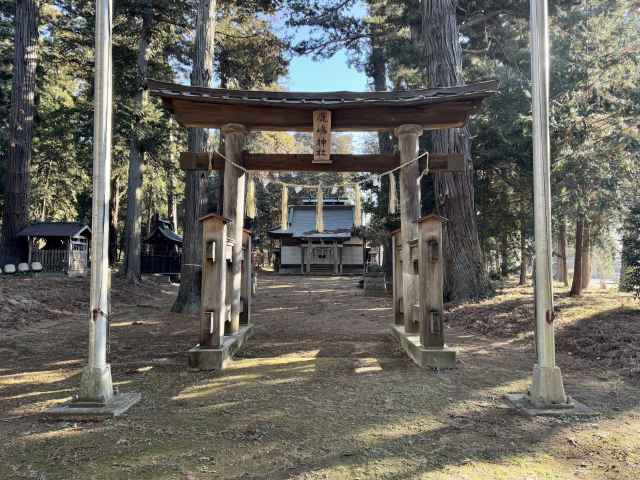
[
  {"x": 338, "y": 222},
  {"x": 55, "y": 229},
  {"x": 432, "y": 108},
  {"x": 162, "y": 233}
]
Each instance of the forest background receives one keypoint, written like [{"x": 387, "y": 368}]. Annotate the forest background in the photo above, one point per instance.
[{"x": 46, "y": 119}]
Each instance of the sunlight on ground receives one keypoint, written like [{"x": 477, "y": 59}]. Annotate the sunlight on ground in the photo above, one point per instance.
[
  {"x": 375, "y": 309},
  {"x": 276, "y": 309},
  {"x": 538, "y": 465},
  {"x": 38, "y": 377},
  {"x": 294, "y": 369},
  {"x": 134, "y": 323},
  {"x": 347, "y": 407},
  {"x": 367, "y": 365},
  {"x": 38, "y": 393},
  {"x": 61, "y": 434}
]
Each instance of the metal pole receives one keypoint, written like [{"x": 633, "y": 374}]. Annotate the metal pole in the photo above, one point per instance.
[
  {"x": 547, "y": 385},
  {"x": 96, "y": 378}
]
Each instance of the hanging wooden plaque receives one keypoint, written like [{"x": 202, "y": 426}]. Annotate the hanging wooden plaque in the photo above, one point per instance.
[{"x": 322, "y": 136}]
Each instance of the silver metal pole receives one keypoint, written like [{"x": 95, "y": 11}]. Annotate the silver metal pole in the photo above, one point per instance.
[
  {"x": 96, "y": 377},
  {"x": 547, "y": 384}
]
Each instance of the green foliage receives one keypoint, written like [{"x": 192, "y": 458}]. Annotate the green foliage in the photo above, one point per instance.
[
  {"x": 630, "y": 278},
  {"x": 595, "y": 103}
]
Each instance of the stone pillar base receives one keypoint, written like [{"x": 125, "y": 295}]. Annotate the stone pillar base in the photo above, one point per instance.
[
  {"x": 547, "y": 388},
  {"x": 571, "y": 408},
  {"x": 440, "y": 358},
  {"x": 210, "y": 358},
  {"x": 95, "y": 384},
  {"x": 546, "y": 396},
  {"x": 86, "y": 410}
]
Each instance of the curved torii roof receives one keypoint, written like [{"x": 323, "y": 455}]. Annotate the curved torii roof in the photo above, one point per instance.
[{"x": 433, "y": 108}]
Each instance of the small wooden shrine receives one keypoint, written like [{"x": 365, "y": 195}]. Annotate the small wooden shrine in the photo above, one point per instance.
[
  {"x": 162, "y": 249},
  {"x": 302, "y": 249},
  {"x": 59, "y": 246}
]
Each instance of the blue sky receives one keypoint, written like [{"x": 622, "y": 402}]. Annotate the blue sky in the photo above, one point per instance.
[
  {"x": 326, "y": 75},
  {"x": 329, "y": 74}
]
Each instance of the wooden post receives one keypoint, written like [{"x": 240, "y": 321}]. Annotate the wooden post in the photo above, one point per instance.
[
  {"x": 409, "y": 212},
  {"x": 247, "y": 272},
  {"x": 365, "y": 265},
  {"x": 396, "y": 282},
  {"x": 547, "y": 387},
  {"x": 233, "y": 207},
  {"x": 309, "y": 255},
  {"x": 214, "y": 273},
  {"x": 302, "y": 254},
  {"x": 335, "y": 258},
  {"x": 69, "y": 261},
  {"x": 95, "y": 382},
  {"x": 431, "y": 291}
]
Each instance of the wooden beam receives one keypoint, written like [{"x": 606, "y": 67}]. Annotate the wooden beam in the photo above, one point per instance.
[
  {"x": 277, "y": 118},
  {"x": 375, "y": 163}
]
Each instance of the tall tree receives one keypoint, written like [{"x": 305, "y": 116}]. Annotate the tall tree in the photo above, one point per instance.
[
  {"x": 454, "y": 192},
  {"x": 563, "y": 275},
  {"x": 576, "y": 285},
  {"x": 132, "y": 264},
  {"x": 16, "y": 208},
  {"x": 188, "y": 300}
]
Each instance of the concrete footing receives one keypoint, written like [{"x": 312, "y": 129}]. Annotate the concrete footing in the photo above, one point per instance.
[
  {"x": 208, "y": 358},
  {"x": 547, "y": 387},
  {"x": 424, "y": 357},
  {"x": 95, "y": 383},
  {"x": 524, "y": 403},
  {"x": 87, "y": 410}
]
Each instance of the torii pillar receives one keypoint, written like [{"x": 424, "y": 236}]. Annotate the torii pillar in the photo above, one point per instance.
[
  {"x": 235, "y": 181},
  {"x": 433, "y": 351},
  {"x": 408, "y": 136}
]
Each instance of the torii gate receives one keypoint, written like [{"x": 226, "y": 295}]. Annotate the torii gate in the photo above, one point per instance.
[
  {"x": 417, "y": 283},
  {"x": 407, "y": 113}
]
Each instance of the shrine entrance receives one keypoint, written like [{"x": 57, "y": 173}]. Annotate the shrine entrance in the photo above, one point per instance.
[{"x": 226, "y": 266}]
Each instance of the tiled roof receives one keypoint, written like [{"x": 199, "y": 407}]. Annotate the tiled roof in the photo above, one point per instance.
[
  {"x": 338, "y": 222},
  {"x": 327, "y": 100},
  {"x": 54, "y": 229},
  {"x": 163, "y": 231}
]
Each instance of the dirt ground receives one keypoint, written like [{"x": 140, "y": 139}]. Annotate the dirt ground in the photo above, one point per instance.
[{"x": 321, "y": 391}]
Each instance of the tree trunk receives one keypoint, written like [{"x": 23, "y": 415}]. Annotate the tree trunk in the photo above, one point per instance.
[
  {"x": 586, "y": 256},
  {"x": 504, "y": 257},
  {"x": 188, "y": 300},
  {"x": 114, "y": 213},
  {"x": 524, "y": 257},
  {"x": 562, "y": 253},
  {"x": 385, "y": 141},
  {"x": 132, "y": 264},
  {"x": 16, "y": 206},
  {"x": 576, "y": 285},
  {"x": 172, "y": 206},
  {"x": 465, "y": 275}
]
